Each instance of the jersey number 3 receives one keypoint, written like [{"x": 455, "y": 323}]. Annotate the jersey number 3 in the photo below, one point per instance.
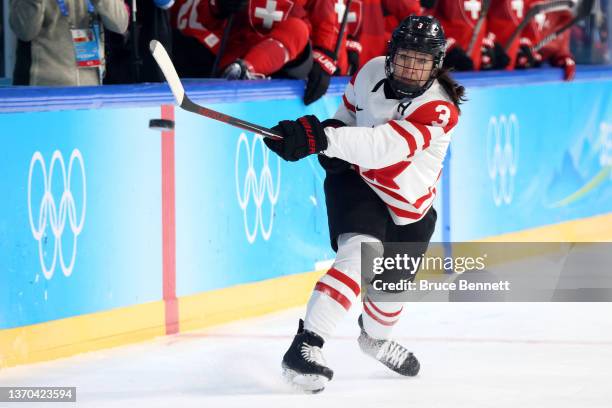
[{"x": 444, "y": 117}]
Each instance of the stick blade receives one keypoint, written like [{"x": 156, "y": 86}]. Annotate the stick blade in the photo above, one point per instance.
[{"x": 165, "y": 64}]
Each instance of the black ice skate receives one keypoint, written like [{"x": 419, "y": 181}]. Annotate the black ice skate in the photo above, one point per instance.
[
  {"x": 303, "y": 364},
  {"x": 388, "y": 352}
]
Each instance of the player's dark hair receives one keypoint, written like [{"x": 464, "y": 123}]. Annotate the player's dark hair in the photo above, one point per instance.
[{"x": 454, "y": 90}]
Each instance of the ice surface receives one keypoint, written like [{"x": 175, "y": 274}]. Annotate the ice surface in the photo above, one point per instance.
[{"x": 472, "y": 355}]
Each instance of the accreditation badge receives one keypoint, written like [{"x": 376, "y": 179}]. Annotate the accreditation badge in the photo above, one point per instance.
[{"x": 86, "y": 47}]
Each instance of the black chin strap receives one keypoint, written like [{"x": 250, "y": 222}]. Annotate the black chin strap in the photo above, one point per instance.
[{"x": 389, "y": 92}]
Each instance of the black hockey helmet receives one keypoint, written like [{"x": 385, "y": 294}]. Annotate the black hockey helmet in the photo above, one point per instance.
[{"x": 422, "y": 34}]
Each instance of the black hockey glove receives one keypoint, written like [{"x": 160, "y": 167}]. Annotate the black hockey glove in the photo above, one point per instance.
[
  {"x": 353, "y": 50},
  {"x": 320, "y": 74},
  {"x": 353, "y": 62},
  {"x": 224, "y": 8},
  {"x": 526, "y": 56},
  {"x": 428, "y": 4},
  {"x": 501, "y": 58},
  {"x": 333, "y": 165},
  {"x": 301, "y": 138},
  {"x": 492, "y": 55},
  {"x": 457, "y": 59}
]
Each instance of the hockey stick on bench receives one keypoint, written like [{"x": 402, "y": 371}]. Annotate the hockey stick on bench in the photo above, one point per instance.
[
  {"x": 584, "y": 10},
  {"x": 478, "y": 26},
  {"x": 165, "y": 64},
  {"x": 554, "y": 5}
]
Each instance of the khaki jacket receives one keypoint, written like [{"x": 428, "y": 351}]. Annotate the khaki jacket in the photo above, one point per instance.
[{"x": 41, "y": 23}]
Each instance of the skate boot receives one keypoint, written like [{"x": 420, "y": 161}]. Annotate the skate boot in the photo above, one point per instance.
[
  {"x": 240, "y": 69},
  {"x": 303, "y": 364},
  {"x": 388, "y": 352}
]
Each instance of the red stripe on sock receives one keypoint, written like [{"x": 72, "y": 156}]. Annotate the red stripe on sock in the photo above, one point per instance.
[
  {"x": 334, "y": 294},
  {"x": 373, "y": 316},
  {"x": 339, "y": 276},
  {"x": 384, "y": 313}
]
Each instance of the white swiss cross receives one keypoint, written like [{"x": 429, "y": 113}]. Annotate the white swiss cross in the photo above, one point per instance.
[
  {"x": 340, "y": 8},
  {"x": 540, "y": 18},
  {"x": 517, "y": 5},
  {"x": 473, "y": 6},
  {"x": 269, "y": 14}
]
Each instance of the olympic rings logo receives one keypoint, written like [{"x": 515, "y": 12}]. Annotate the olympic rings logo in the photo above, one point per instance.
[
  {"x": 54, "y": 216},
  {"x": 502, "y": 156},
  {"x": 258, "y": 188}
]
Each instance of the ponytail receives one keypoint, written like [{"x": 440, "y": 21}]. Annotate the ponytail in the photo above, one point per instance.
[{"x": 455, "y": 91}]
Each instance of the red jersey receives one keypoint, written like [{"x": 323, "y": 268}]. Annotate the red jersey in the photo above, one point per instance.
[
  {"x": 546, "y": 24},
  {"x": 196, "y": 18},
  {"x": 502, "y": 20},
  {"x": 458, "y": 18}
]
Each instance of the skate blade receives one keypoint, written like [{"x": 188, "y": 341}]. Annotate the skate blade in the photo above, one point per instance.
[{"x": 308, "y": 383}]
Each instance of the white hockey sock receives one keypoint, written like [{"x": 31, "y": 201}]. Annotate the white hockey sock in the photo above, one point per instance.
[
  {"x": 380, "y": 317},
  {"x": 338, "y": 289}
]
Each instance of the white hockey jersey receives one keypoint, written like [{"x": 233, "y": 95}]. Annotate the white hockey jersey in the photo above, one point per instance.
[{"x": 397, "y": 146}]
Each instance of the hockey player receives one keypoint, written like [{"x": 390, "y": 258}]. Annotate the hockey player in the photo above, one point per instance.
[
  {"x": 265, "y": 37},
  {"x": 459, "y": 19},
  {"x": 557, "y": 52},
  {"x": 502, "y": 20},
  {"x": 383, "y": 154}
]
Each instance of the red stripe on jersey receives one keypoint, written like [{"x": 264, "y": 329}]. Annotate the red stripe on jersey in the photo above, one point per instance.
[
  {"x": 436, "y": 113},
  {"x": 339, "y": 276},
  {"x": 348, "y": 104},
  {"x": 408, "y": 214},
  {"x": 387, "y": 175},
  {"x": 393, "y": 314},
  {"x": 425, "y": 132},
  {"x": 387, "y": 191},
  {"x": 418, "y": 203},
  {"x": 373, "y": 316},
  {"x": 334, "y": 294},
  {"x": 406, "y": 135}
]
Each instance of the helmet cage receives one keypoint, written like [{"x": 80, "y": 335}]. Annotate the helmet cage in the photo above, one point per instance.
[{"x": 410, "y": 35}]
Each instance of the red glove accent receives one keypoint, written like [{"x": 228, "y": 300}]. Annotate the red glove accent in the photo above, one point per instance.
[
  {"x": 325, "y": 62},
  {"x": 487, "y": 46},
  {"x": 352, "y": 45},
  {"x": 569, "y": 67}
]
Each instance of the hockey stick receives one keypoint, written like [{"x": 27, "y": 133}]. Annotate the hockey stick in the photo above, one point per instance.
[
  {"x": 478, "y": 25},
  {"x": 550, "y": 6},
  {"x": 165, "y": 64},
  {"x": 222, "y": 46},
  {"x": 584, "y": 10},
  {"x": 136, "y": 62},
  {"x": 342, "y": 28}
]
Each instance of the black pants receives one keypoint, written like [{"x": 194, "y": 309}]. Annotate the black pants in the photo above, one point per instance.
[{"x": 353, "y": 207}]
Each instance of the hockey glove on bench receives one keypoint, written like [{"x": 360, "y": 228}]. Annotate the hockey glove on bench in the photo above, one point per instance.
[
  {"x": 301, "y": 138},
  {"x": 323, "y": 68}
]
